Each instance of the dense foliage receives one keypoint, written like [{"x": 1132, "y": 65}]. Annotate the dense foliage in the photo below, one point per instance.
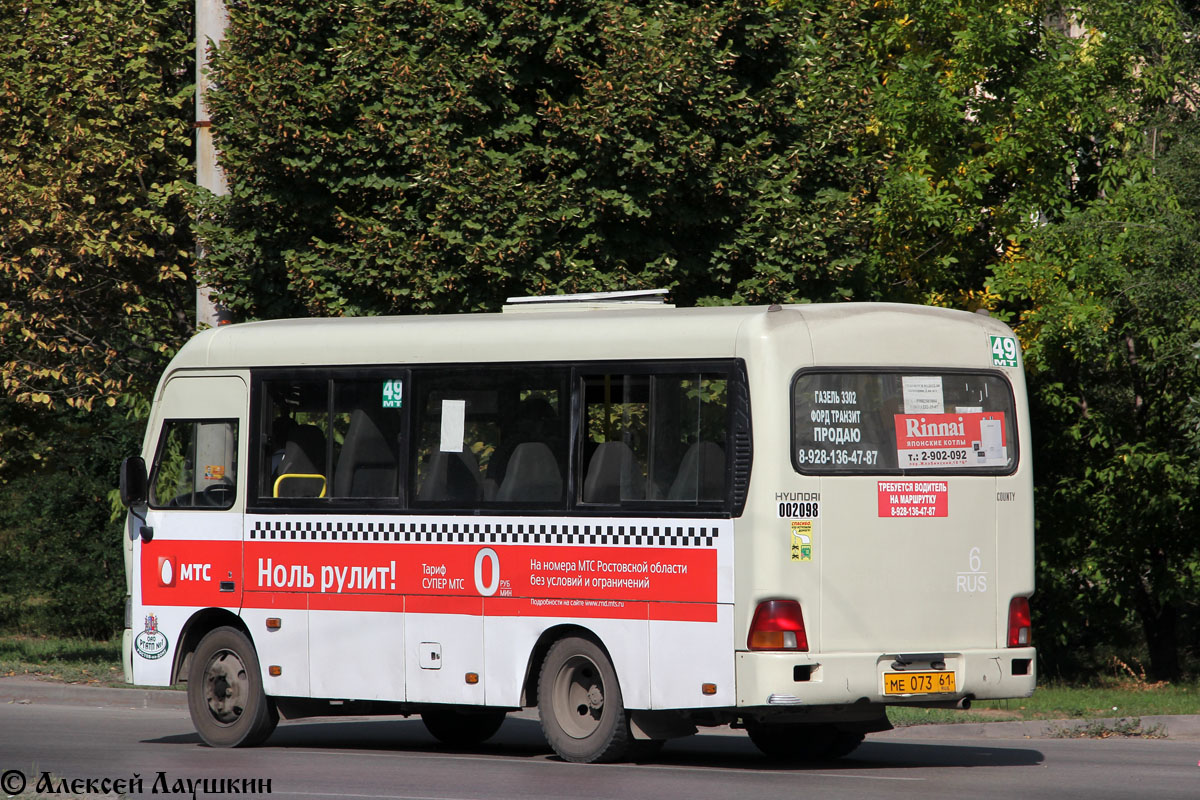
[
  {"x": 1111, "y": 328},
  {"x": 95, "y": 283},
  {"x": 95, "y": 253},
  {"x": 1036, "y": 158},
  {"x": 411, "y": 156},
  {"x": 60, "y": 552}
]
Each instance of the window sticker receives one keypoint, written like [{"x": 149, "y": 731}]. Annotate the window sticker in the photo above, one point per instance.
[
  {"x": 950, "y": 440},
  {"x": 1004, "y": 351},
  {"x": 454, "y": 423},
  {"x": 214, "y": 472},
  {"x": 923, "y": 394},
  {"x": 393, "y": 394}
]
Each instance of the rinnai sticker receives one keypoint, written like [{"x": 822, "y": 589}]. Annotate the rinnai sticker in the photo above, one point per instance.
[
  {"x": 914, "y": 499},
  {"x": 802, "y": 540},
  {"x": 951, "y": 440}
]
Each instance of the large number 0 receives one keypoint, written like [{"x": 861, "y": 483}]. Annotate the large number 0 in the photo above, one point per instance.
[{"x": 487, "y": 554}]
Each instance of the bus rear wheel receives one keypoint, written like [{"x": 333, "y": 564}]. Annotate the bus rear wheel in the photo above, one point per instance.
[
  {"x": 580, "y": 704},
  {"x": 225, "y": 691},
  {"x": 802, "y": 742},
  {"x": 461, "y": 727}
]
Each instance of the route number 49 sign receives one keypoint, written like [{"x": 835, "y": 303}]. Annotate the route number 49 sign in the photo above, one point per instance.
[{"x": 1004, "y": 351}]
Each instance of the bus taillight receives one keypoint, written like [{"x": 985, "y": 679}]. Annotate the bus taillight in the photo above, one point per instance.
[
  {"x": 1020, "y": 624},
  {"x": 778, "y": 625}
]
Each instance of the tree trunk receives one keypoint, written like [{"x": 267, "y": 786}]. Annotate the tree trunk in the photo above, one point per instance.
[{"x": 1160, "y": 625}]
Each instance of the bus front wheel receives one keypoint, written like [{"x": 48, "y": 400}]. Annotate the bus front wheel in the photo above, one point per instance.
[
  {"x": 225, "y": 691},
  {"x": 580, "y": 704}
]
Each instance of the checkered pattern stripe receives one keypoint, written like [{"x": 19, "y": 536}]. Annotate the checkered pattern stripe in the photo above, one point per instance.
[{"x": 659, "y": 535}]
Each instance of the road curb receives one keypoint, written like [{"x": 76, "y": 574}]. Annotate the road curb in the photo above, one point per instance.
[
  {"x": 24, "y": 690},
  {"x": 1177, "y": 727}
]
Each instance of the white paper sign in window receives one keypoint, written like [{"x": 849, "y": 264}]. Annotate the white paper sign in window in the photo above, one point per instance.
[
  {"x": 454, "y": 416},
  {"x": 923, "y": 395}
]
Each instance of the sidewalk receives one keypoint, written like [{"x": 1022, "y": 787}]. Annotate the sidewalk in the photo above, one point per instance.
[
  {"x": 55, "y": 693},
  {"x": 26, "y": 690}
]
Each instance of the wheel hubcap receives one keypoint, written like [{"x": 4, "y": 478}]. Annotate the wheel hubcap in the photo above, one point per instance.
[
  {"x": 578, "y": 697},
  {"x": 225, "y": 687}
]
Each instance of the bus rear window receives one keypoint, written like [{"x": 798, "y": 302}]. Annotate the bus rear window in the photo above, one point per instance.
[{"x": 901, "y": 422}]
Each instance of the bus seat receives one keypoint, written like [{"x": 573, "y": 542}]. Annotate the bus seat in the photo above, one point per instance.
[
  {"x": 701, "y": 474},
  {"x": 613, "y": 475},
  {"x": 366, "y": 465},
  {"x": 451, "y": 477},
  {"x": 535, "y": 421},
  {"x": 532, "y": 475},
  {"x": 304, "y": 459}
]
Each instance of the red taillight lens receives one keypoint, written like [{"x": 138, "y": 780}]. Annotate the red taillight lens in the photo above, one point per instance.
[
  {"x": 778, "y": 625},
  {"x": 1020, "y": 624}
]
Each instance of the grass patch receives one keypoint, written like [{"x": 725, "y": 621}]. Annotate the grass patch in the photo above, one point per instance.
[
  {"x": 1107, "y": 699},
  {"x": 1103, "y": 729},
  {"x": 67, "y": 659}
]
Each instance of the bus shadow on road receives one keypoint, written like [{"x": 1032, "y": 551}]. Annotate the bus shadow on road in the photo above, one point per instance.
[
  {"x": 522, "y": 738},
  {"x": 731, "y": 752}
]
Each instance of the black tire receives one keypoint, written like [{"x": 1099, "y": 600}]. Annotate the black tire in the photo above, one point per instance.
[
  {"x": 225, "y": 692},
  {"x": 463, "y": 727},
  {"x": 798, "y": 742},
  {"x": 580, "y": 704}
]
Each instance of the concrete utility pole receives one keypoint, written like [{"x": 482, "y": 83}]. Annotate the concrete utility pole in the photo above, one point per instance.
[{"x": 210, "y": 31}]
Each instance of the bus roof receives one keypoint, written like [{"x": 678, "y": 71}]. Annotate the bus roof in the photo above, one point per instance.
[{"x": 549, "y": 335}]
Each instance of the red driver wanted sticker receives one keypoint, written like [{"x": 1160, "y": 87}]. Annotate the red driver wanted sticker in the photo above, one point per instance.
[{"x": 914, "y": 499}]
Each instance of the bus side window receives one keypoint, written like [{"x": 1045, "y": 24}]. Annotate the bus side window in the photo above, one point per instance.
[
  {"x": 657, "y": 438},
  {"x": 294, "y": 455},
  {"x": 490, "y": 437},
  {"x": 196, "y": 465},
  {"x": 367, "y": 419}
]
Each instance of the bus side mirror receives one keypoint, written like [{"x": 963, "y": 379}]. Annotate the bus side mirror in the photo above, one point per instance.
[{"x": 134, "y": 484}]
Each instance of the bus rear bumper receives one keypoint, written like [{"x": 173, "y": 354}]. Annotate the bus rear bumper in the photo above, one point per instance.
[{"x": 780, "y": 680}]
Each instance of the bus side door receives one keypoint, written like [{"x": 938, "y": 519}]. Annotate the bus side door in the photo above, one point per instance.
[{"x": 188, "y": 554}]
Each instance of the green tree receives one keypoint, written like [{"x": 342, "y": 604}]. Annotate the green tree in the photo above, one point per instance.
[
  {"x": 1110, "y": 319},
  {"x": 405, "y": 156},
  {"x": 60, "y": 551},
  {"x": 95, "y": 147},
  {"x": 995, "y": 118}
]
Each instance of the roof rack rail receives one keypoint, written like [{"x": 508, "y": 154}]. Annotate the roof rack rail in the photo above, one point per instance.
[{"x": 634, "y": 297}]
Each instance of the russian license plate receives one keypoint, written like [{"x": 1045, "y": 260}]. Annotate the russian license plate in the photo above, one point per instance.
[{"x": 918, "y": 683}]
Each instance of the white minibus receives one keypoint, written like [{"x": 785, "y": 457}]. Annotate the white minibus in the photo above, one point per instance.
[{"x": 639, "y": 519}]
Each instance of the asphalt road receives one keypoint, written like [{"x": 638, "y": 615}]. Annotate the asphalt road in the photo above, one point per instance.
[{"x": 93, "y": 734}]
